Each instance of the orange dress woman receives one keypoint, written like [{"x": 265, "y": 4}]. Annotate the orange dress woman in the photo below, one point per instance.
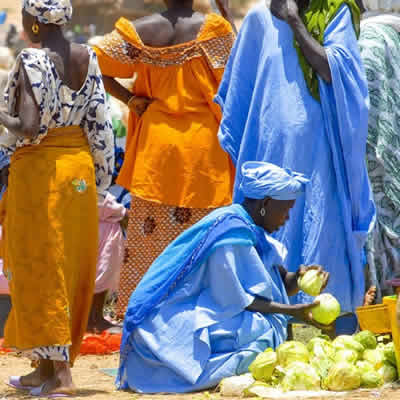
[{"x": 174, "y": 166}]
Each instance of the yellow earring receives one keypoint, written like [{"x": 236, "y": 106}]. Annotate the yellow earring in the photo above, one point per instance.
[{"x": 35, "y": 29}]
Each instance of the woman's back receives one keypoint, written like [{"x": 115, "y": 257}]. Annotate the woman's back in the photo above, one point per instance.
[
  {"x": 63, "y": 86},
  {"x": 179, "y": 128},
  {"x": 72, "y": 64},
  {"x": 68, "y": 91},
  {"x": 169, "y": 29}
]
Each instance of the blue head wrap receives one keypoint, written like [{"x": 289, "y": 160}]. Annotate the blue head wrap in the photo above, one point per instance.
[
  {"x": 57, "y": 12},
  {"x": 262, "y": 179}
]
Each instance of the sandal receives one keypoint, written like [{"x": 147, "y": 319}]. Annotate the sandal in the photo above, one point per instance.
[
  {"x": 15, "y": 383},
  {"x": 38, "y": 392}
]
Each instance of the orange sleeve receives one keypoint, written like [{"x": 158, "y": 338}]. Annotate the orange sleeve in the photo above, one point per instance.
[
  {"x": 112, "y": 67},
  {"x": 208, "y": 79}
]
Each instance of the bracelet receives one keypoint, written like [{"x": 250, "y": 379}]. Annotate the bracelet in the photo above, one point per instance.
[{"x": 133, "y": 97}]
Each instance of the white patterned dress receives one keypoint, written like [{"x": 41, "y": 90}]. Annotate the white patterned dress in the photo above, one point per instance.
[
  {"x": 86, "y": 107},
  {"x": 61, "y": 106}
]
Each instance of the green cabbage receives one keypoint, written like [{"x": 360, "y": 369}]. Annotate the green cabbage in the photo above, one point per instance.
[
  {"x": 371, "y": 379},
  {"x": 390, "y": 354},
  {"x": 364, "y": 366},
  {"x": 292, "y": 351},
  {"x": 320, "y": 347},
  {"x": 367, "y": 339},
  {"x": 375, "y": 357},
  {"x": 388, "y": 372},
  {"x": 328, "y": 309},
  {"x": 263, "y": 365},
  {"x": 257, "y": 389},
  {"x": 347, "y": 355},
  {"x": 322, "y": 365},
  {"x": 342, "y": 376},
  {"x": 311, "y": 282},
  {"x": 300, "y": 376},
  {"x": 235, "y": 385},
  {"x": 347, "y": 342}
]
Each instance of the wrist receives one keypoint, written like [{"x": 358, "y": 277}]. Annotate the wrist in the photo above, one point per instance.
[{"x": 130, "y": 102}]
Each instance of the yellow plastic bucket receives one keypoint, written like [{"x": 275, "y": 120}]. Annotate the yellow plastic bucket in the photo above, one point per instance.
[
  {"x": 391, "y": 302},
  {"x": 374, "y": 318}
]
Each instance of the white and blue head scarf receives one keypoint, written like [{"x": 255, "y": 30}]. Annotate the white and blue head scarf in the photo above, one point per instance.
[
  {"x": 58, "y": 12},
  {"x": 262, "y": 179}
]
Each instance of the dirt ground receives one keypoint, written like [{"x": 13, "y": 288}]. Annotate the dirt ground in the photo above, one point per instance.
[{"x": 93, "y": 384}]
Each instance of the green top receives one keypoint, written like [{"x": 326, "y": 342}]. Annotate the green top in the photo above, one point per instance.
[{"x": 316, "y": 18}]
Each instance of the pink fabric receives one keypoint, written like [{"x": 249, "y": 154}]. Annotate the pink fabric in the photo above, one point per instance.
[
  {"x": 111, "y": 244},
  {"x": 3, "y": 281}
]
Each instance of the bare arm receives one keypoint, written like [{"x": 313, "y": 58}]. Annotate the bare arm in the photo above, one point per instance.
[
  {"x": 301, "y": 312},
  {"x": 290, "y": 281},
  {"x": 223, "y": 6},
  {"x": 312, "y": 50},
  {"x": 138, "y": 104},
  {"x": 116, "y": 89},
  {"x": 27, "y": 123}
]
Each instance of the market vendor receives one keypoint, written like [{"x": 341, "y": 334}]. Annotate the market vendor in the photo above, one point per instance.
[{"x": 218, "y": 295}]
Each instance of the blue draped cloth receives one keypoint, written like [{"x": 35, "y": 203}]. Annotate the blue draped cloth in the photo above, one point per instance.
[
  {"x": 186, "y": 325},
  {"x": 270, "y": 115}
]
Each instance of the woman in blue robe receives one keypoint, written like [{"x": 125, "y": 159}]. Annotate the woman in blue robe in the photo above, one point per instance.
[
  {"x": 218, "y": 294},
  {"x": 294, "y": 94}
]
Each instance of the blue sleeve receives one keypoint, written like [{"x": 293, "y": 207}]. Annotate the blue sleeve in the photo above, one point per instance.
[
  {"x": 236, "y": 88},
  {"x": 345, "y": 105}
]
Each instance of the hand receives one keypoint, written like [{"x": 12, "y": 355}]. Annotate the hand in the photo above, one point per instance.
[
  {"x": 284, "y": 9},
  {"x": 303, "y": 313},
  {"x": 124, "y": 222},
  {"x": 139, "y": 104},
  {"x": 324, "y": 274}
]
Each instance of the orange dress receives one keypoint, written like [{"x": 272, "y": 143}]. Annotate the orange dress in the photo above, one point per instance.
[{"x": 174, "y": 165}]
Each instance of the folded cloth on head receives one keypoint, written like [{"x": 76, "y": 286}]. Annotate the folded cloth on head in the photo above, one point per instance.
[
  {"x": 57, "y": 12},
  {"x": 263, "y": 179}
]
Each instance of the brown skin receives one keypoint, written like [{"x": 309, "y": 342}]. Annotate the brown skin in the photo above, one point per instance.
[
  {"x": 276, "y": 215},
  {"x": 97, "y": 323},
  {"x": 178, "y": 24},
  {"x": 72, "y": 63},
  {"x": 290, "y": 11}
]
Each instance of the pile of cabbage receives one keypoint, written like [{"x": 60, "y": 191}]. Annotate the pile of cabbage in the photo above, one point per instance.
[{"x": 346, "y": 363}]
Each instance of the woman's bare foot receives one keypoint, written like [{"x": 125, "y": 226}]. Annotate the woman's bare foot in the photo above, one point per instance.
[
  {"x": 97, "y": 323},
  {"x": 370, "y": 296},
  {"x": 40, "y": 375},
  {"x": 60, "y": 383}
]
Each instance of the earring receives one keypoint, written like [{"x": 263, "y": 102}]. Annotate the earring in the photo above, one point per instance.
[
  {"x": 263, "y": 212},
  {"x": 35, "y": 29}
]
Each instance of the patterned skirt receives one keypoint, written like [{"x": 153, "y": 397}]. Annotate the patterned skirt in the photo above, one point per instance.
[{"x": 152, "y": 227}]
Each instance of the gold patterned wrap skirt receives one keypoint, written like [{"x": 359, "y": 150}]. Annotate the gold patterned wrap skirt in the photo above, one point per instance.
[
  {"x": 152, "y": 227},
  {"x": 50, "y": 242}
]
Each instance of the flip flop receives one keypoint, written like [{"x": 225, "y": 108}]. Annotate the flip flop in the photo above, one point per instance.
[
  {"x": 38, "y": 392},
  {"x": 15, "y": 383}
]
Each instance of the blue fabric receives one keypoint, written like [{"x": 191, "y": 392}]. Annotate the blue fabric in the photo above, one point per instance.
[
  {"x": 4, "y": 159},
  {"x": 261, "y": 179},
  {"x": 270, "y": 115},
  {"x": 186, "y": 326}
]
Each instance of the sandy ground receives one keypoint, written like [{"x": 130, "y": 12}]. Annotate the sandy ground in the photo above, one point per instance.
[{"x": 93, "y": 384}]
